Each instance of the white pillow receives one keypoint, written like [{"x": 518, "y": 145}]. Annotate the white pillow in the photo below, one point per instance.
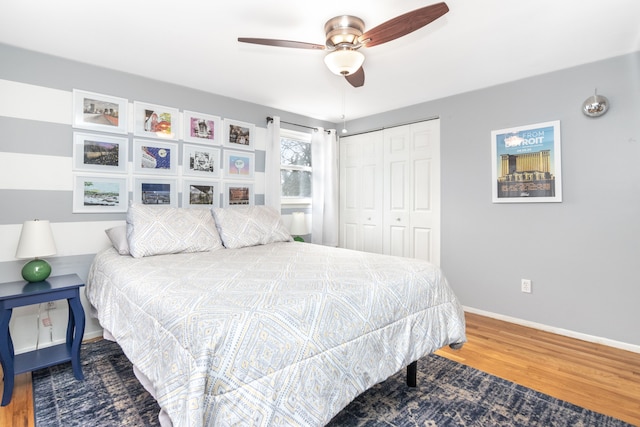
[
  {"x": 118, "y": 237},
  {"x": 241, "y": 226},
  {"x": 156, "y": 230}
]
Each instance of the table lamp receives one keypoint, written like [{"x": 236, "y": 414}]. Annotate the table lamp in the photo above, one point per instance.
[
  {"x": 298, "y": 226},
  {"x": 36, "y": 240}
]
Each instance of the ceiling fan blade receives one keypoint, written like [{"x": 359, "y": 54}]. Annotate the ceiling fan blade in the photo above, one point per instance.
[
  {"x": 282, "y": 43},
  {"x": 356, "y": 79},
  {"x": 403, "y": 24}
]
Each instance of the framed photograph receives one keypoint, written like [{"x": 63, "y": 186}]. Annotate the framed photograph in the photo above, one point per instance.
[
  {"x": 238, "y": 193},
  {"x": 156, "y": 121},
  {"x": 155, "y": 191},
  {"x": 200, "y": 194},
  {"x": 201, "y": 161},
  {"x": 100, "y": 194},
  {"x": 94, "y": 111},
  {"x": 239, "y": 135},
  {"x": 202, "y": 128},
  {"x": 155, "y": 157},
  {"x": 100, "y": 153},
  {"x": 526, "y": 164},
  {"x": 238, "y": 164}
]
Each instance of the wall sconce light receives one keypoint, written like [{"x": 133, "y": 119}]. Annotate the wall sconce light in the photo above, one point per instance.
[
  {"x": 36, "y": 240},
  {"x": 595, "y": 106},
  {"x": 298, "y": 226}
]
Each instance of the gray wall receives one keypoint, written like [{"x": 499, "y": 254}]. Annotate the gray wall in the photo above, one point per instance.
[{"x": 581, "y": 254}]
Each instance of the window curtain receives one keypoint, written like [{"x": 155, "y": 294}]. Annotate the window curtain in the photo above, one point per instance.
[
  {"x": 272, "y": 166},
  {"x": 324, "y": 157}
]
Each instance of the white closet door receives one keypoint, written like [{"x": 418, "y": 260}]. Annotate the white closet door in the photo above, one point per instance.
[
  {"x": 361, "y": 171},
  {"x": 411, "y": 217},
  {"x": 397, "y": 183}
]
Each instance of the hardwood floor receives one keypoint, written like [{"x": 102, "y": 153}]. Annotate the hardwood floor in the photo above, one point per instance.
[
  {"x": 593, "y": 376},
  {"x": 19, "y": 412}
]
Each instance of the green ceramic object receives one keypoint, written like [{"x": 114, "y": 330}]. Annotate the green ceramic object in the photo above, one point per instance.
[{"x": 36, "y": 270}]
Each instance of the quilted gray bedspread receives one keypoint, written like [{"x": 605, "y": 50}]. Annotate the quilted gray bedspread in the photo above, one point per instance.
[{"x": 279, "y": 334}]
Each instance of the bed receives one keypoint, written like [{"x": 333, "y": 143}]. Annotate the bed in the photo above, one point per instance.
[{"x": 230, "y": 322}]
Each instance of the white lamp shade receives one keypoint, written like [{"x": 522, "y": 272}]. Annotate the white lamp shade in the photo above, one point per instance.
[
  {"x": 344, "y": 62},
  {"x": 36, "y": 240},
  {"x": 298, "y": 224}
]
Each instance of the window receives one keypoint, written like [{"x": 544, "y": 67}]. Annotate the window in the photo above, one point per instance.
[{"x": 295, "y": 166}]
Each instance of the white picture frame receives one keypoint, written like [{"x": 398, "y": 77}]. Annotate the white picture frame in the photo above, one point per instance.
[
  {"x": 238, "y": 164},
  {"x": 156, "y": 121},
  {"x": 239, "y": 135},
  {"x": 155, "y": 157},
  {"x": 238, "y": 194},
  {"x": 200, "y": 194},
  {"x": 527, "y": 164},
  {"x": 99, "y": 112},
  {"x": 149, "y": 190},
  {"x": 100, "y": 193},
  {"x": 100, "y": 153},
  {"x": 201, "y": 128},
  {"x": 201, "y": 161}
]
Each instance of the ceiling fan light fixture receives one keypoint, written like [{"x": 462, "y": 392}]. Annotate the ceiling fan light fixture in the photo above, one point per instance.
[
  {"x": 343, "y": 30},
  {"x": 344, "y": 62},
  {"x": 345, "y": 35}
]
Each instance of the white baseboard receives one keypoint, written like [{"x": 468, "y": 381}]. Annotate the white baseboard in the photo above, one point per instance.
[
  {"x": 559, "y": 331},
  {"x": 92, "y": 335},
  {"x": 85, "y": 337}
]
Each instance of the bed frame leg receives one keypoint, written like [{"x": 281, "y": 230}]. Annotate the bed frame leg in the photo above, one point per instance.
[{"x": 412, "y": 374}]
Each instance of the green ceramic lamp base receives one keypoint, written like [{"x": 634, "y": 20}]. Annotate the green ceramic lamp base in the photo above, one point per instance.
[{"x": 36, "y": 270}]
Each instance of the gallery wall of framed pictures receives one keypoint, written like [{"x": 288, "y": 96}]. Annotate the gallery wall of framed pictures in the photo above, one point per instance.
[{"x": 218, "y": 159}]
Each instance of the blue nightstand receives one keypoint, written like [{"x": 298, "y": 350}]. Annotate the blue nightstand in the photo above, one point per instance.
[{"x": 21, "y": 293}]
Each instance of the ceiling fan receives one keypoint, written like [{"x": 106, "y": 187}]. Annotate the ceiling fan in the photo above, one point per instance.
[{"x": 345, "y": 35}]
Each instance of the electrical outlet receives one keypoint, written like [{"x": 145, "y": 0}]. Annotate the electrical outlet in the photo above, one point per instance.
[
  {"x": 51, "y": 305},
  {"x": 525, "y": 286}
]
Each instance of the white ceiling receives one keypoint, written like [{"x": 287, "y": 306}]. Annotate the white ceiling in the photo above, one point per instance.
[{"x": 479, "y": 43}]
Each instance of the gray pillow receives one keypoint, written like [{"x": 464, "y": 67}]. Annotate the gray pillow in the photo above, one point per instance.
[
  {"x": 118, "y": 237},
  {"x": 157, "y": 230},
  {"x": 241, "y": 226}
]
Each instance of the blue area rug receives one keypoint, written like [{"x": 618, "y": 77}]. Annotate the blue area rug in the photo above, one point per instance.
[{"x": 448, "y": 394}]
